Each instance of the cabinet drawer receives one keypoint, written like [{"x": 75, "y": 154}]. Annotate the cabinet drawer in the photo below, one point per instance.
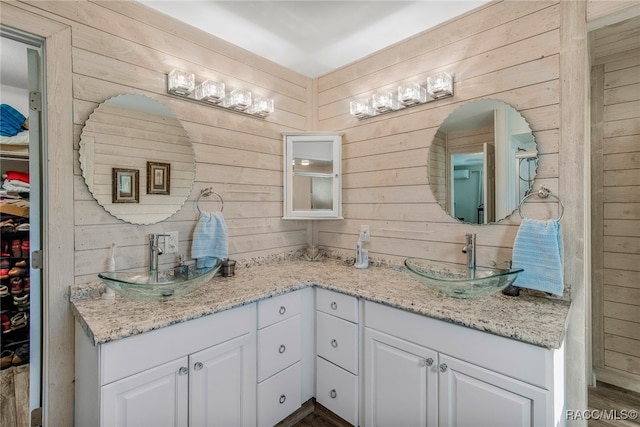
[
  {"x": 279, "y": 346},
  {"x": 337, "y": 390},
  {"x": 279, "y": 308},
  {"x": 337, "y": 341},
  {"x": 337, "y": 304},
  {"x": 279, "y": 396}
]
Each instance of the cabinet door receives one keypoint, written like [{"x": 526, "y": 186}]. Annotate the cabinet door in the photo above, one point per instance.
[
  {"x": 222, "y": 387},
  {"x": 157, "y": 397},
  {"x": 400, "y": 382},
  {"x": 312, "y": 175},
  {"x": 471, "y": 395}
]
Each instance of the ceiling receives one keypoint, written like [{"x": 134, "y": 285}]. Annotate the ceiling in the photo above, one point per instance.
[{"x": 309, "y": 36}]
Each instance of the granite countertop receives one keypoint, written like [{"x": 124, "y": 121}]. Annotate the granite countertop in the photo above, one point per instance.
[{"x": 532, "y": 319}]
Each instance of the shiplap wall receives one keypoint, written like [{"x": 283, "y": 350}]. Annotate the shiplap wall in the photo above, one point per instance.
[
  {"x": 507, "y": 51},
  {"x": 124, "y": 47},
  {"x": 616, "y": 202}
]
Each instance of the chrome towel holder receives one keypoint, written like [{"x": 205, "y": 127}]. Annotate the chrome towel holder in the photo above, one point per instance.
[
  {"x": 208, "y": 192},
  {"x": 543, "y": 193}
]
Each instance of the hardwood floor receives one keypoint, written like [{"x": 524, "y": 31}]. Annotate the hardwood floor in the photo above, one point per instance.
[
  {"x": 607, "y": 400},
  {"x": 613, "y": 400}
]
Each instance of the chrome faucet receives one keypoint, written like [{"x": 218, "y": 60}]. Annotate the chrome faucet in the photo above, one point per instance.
[
  {"x": 154, "y": 251},
  {"x": 470, "y": 250}
]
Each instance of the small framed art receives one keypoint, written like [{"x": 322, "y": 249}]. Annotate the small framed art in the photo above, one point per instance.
[
  {"x": 158, "y": 178},
  {"x": 125, "y": 185}
]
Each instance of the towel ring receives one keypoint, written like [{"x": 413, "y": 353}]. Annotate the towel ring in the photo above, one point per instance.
[
  {"x": 543, "y": 193},
  {"x": 207, "y": 192}
]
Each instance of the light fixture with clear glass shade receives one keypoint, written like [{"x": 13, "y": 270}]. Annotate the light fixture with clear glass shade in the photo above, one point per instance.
[
  {"x": 360, "y": 108},
  {"x": 181, "y": 82},
  {"x": 408, "y": 95},
  {"x": 213, "y": 93},
  {"x": 210, "y": 91},
  {"x": 440, "y": 85}
]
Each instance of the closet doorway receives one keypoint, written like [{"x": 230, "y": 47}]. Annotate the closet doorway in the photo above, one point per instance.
[
  {"x": 615, "y": 190},
  {"x": 21, "y": 219}
]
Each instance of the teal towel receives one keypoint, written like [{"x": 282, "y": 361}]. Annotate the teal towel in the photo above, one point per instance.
[
  {"x": 538, "y": 250},
  {"x": 210, "y": 239}
]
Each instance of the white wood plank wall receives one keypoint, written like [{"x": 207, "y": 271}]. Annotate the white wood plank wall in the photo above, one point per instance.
[
  {"x": 124, "y": 47},
  {"x": 616, "y": 214},
  {"x": 507, "y": 51}
]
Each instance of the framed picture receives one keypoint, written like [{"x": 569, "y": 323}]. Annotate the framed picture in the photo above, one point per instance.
[
  {"x": 125, "y": 185},
  {"x": 158, "y": 178}
]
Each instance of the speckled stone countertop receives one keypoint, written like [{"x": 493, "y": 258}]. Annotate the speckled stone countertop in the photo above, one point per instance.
[{"x": 531, "y": 319}]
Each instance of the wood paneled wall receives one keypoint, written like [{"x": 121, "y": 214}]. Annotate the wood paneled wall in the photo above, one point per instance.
[
  {"x": 124, "y": 47},
  {"x": 507, "y": 51},
  {"x": 616, "y": 203}
]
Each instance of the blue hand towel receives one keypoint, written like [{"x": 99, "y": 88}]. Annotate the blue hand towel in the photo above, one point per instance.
[
  {"x": 210, "y": 239},
  {"x": 538, "y": 250}
]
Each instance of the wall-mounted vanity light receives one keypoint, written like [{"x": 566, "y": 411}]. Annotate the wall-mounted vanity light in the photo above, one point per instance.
[
  {"x": 410, "y": 94},
  {"x": 209, "y": 92}
]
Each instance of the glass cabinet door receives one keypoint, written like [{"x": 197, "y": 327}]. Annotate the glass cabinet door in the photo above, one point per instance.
[{"x": 312, "y": 180}]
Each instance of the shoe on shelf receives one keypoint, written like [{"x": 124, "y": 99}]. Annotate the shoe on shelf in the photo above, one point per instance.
[
  {"x": 25, "y": 249},
  {"x": 19, "y": 321},
  {"x": 6, "y": 359},
  {"x": 4, "y": 291},
  {"x": 5, "y": 263},
  {"x": 22, "y": 263},
  {"x": 16, "y": 248},
  {"x": 16, "y": 286},
  {"x": 21, "y": 356},
  {"x": 17, "y": 272},
  {"x": 4, "y": 273},
  {"x": 6, "y": 323},
  {"x": 21, "y": 302},
  {"x": 26, "y": 282}
]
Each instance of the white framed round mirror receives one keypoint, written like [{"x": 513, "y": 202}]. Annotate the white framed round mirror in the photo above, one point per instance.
[
  {"x": 137, "y": 159},
  {"x": 482, "y": 161}
]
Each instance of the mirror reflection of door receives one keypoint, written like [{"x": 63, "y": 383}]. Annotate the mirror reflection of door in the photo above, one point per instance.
[
  {"x": 312, "y": 175},
  {"x": 473, "y": 189}
]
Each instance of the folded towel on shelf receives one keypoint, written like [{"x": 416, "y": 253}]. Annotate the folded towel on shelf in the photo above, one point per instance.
[
  {"x": 538, "y": 250},
  {"x": 210, "y": 239},
  {"x": 11, "y": 120}
]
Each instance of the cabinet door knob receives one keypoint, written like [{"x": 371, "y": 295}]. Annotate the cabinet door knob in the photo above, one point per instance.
[
  {"x": 333, "y": 393},
  {"x": 281, "y": 349},
  {"x": 282, "y": 398},
  {"x": 183, "y": 370},
  {"x": 334, "y": 305},
  {"x": 429, "y": 362},
  {"x": 198, "y": 365},
  {"x": 443, "y": 367},
  {"x": 282, "y": 310},
  {"x": 334, "y": 343}
]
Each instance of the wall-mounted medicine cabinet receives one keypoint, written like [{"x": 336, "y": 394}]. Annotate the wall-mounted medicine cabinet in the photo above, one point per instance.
[{"x": 312, "y": 175}]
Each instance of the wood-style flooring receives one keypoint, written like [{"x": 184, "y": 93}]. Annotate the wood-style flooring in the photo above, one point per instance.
[{"x": 603, "y": 398}]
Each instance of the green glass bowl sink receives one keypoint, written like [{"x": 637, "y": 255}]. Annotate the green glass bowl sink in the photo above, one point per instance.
[
  {"x": 166, "y": 283},
  {"x": 457, "y": 281}
]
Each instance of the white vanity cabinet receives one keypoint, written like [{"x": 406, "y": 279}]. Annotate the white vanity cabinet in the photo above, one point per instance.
[
  {"x": 337, "y": 348},
  {"x": 282, "y": 356},
  {"x": 425, "y": 372},
  {"x": 195, "y": 373}
]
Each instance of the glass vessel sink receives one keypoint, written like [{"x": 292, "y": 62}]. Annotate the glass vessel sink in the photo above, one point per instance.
[
  {"x": 163, "y": 284},
  {"x": 457, "y": 281}
]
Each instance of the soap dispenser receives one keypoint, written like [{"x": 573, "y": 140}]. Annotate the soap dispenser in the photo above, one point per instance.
[{"x": 362, "y": 255}]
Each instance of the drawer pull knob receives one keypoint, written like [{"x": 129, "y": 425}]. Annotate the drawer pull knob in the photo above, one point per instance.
[
  {"x": 334, "y": 305},
  {"x": 281, "y": 349},
  {"x": 198, "y": 365},
  {"x": 334, "y": 343},
  {"x": 333, "y": 393},
  {"x": 443, "y": 367},
  {"x": 282, "y": 398},
  {"x": 183, "y": 370},
  {"x": 429, "y": 362},
  {"x": 282, "y": 310}
]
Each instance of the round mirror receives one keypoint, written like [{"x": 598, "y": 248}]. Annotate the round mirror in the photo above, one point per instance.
[
  {"x": 482, "y": 161},
  {"x": 137, "y": 159}
]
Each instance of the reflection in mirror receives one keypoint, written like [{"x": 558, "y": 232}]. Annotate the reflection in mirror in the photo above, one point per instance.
[
  {"x": 482, "y": 161},
  {"x": 135, "y": 133},
  {"x": 312, "y": 175}
]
